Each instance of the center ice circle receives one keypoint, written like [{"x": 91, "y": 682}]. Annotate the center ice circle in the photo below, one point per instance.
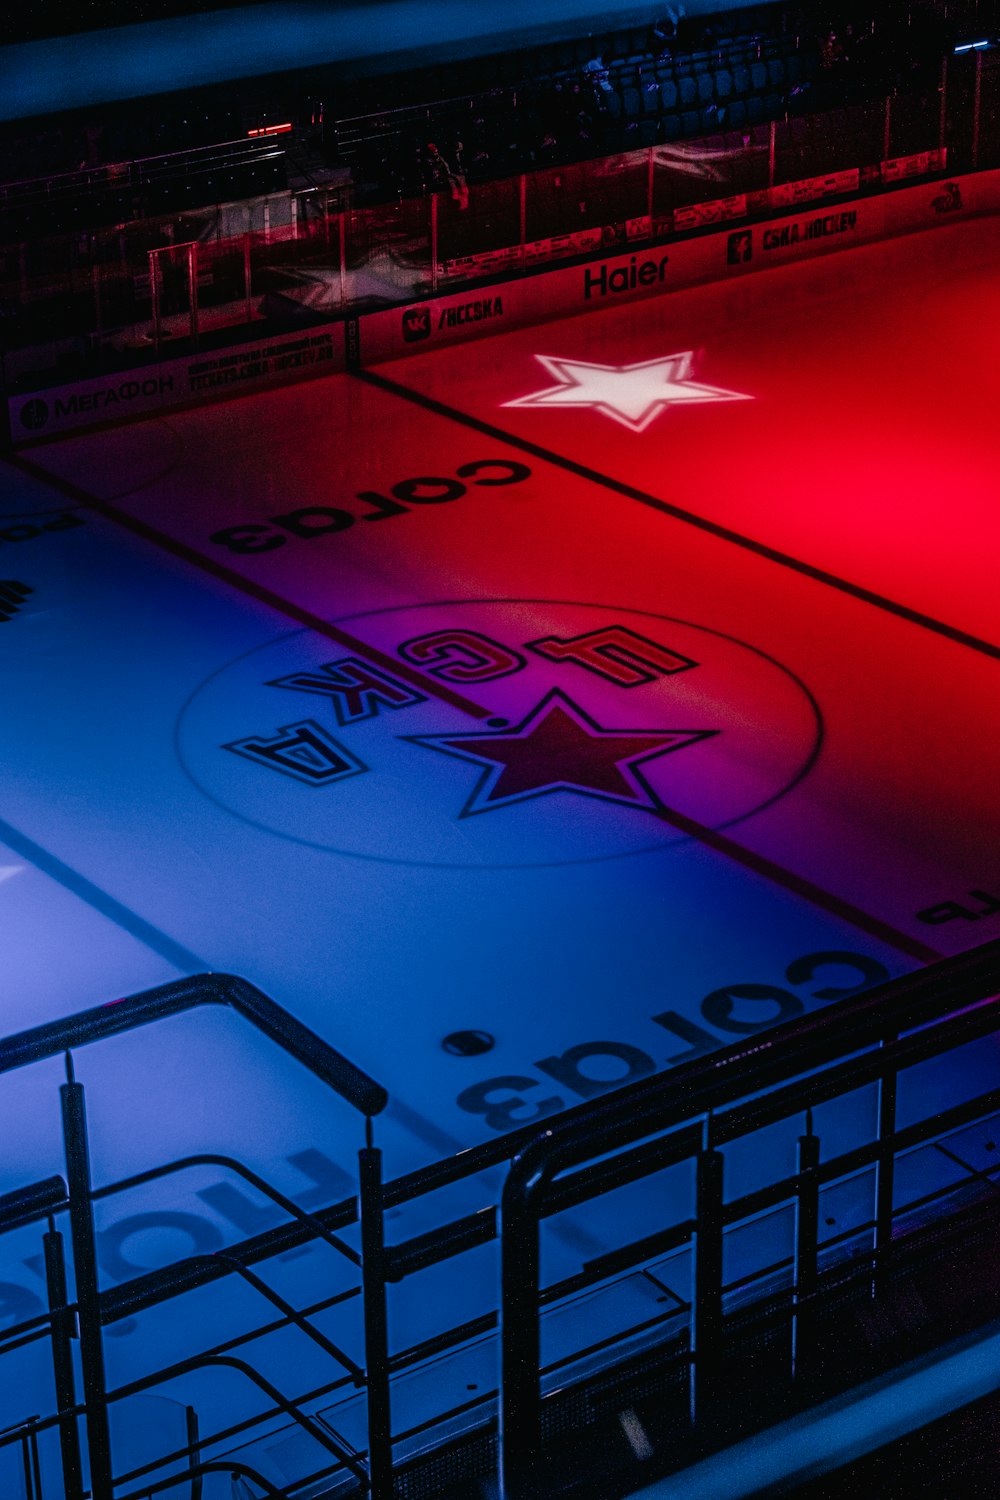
[{"x": 738, "y": 730}]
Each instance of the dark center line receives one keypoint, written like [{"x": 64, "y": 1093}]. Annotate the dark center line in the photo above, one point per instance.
[
  {"x": 165, "y": 542},
  {"x": 689, "y": 518},
  {"x": 799, "y": 885}
]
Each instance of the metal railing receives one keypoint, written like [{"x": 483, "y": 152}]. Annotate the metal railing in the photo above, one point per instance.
[
  {"x": 84, "y": 1317},
  {"x": 697, "y": 1114}
]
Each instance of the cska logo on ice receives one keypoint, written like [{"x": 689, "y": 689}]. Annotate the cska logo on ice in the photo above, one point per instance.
[{"x": 481, "y": 734}]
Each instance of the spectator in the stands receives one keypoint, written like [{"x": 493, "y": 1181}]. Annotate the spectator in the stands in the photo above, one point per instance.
[
  {"x": 665, "y": 29},
  {"x": 831, "y": 52},
  {"x": 443, "y": 177},
  {"x": 583, "y": 120},
  {"x": 458, "y": 160},
  {"x": 597, "y": 71}
]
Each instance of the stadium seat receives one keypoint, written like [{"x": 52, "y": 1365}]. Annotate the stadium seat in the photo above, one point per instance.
[
  {"x": 688, "y": 89},
  {"x": 723, "y": 84},
  {"x": 668, "y": 94},
  {"x": 706, "y": 88},
  {"x": 651, "y": 102}
]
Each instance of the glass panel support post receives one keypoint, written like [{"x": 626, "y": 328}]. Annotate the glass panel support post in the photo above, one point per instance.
[
  {"x": 81, "y": 1214},
  {"x": 373, "y": 1270}
]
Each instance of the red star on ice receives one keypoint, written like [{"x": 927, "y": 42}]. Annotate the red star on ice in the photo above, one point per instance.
[{"x": 559, "y": 748}]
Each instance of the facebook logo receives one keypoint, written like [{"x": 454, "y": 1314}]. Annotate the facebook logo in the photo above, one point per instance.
[{"x": 741, "y": 247}]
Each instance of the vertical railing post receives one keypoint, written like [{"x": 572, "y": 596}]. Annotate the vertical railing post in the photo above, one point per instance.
[
  {"x": 192, "y": 270},
  {"x": 194, "y": 1450},
  {"x": 36, "y": 1464},
  {"x": 154, "y": 293},
  {"x": 887, "y": 129},
  {"x": 342, "y": 247},
  {"x": 520, "y": 1345},
  {"x": 247, "y": 278},
  {"x": 373, "y": 1272},
  {"x": 434, "y": 242},
  {"x": 885, "y": 1172},
  {"x": 977, "y": 107},
  {"x": 772, "y": 153},
  {"x": 650, "y": 186},
  {"x": 706, "y": 1302},
  {"x": 95, "y": 280},
  {"x": 62, "y": 1331},
  {"x": 806, "y": 1269},
  {"x": 522, "y": 191},
  {"x": 943, "y": 112},
  {"x": 81, "y": 1218}
]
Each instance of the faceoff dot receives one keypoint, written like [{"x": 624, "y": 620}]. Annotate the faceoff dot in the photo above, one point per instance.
[
  {"x": 497, "y": 723},
  {"x": 468, "y": 1043}
]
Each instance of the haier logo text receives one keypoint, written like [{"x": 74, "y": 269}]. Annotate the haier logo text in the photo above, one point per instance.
[{"x": 598, "y": 281}]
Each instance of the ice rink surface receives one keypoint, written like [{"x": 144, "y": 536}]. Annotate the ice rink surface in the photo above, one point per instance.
[{"x": 601, "y": 693}]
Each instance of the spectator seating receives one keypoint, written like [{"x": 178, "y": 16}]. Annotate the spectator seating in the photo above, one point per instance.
[
  {"x": 546, "y": 104},
  {"x": 639, "y": 97}
]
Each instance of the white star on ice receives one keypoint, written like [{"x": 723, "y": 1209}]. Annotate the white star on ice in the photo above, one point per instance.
[{"x": 631, "y": 394}]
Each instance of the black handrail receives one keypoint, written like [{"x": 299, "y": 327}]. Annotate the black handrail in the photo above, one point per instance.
[
  {"x": 215, "y": 1466},
  {"x": 712, "y": 1082},
  {"x": 36, "y": 1201},
  {"x": 342, "y": 1451},
  {"x": 946, "y": 999},
  {"x": 784, "y": 1067},
  {"x": 300, "y": 1321},
  {"x": 216, "y": 1159},
  {"x": 119, "y": 174},
  {"x": 223, "y": 1434},
  {"x": 324, "y": 1061}
]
